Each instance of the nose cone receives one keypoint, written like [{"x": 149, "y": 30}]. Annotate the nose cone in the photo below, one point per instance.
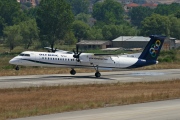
[{"x": 13, "y": 61}]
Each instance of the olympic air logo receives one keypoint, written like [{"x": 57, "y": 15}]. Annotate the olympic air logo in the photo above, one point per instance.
[{"x": 155, "y": 48}]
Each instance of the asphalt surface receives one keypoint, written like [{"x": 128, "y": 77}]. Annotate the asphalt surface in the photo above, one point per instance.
[
  {"x": 162, "y": 110},
  {"x": 88, "y": 78}
]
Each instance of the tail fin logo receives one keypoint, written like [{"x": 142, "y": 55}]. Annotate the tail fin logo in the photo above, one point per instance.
[{"x": 155, "y": 48}]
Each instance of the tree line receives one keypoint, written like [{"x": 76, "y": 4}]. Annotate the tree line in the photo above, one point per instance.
[
  {"x": 165, "y": 20},
  {"x": 66, "y": 21}
]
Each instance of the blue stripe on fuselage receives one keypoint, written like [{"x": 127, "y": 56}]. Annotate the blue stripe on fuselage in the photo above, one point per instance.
[{"x": 142, "y": 63}]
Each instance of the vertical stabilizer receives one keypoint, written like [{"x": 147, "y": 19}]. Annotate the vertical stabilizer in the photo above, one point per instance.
[{"x": 152, "y": 49}]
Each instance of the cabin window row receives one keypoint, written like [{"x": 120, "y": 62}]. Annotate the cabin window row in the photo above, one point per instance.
[{"x": 64, "y": 59}]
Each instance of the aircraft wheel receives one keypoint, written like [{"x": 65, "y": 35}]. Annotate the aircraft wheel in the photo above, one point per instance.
[
  {"x": 17, "y": 68},
  {"x": 72, "y": 72},
  {"x": 98, "y": 74}
]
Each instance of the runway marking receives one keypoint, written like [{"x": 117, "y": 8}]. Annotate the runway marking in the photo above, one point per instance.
[
  {"x": 147, "y": 74},
  {"x": 39, "y": 82},
  {"x": 125, "y": 114}
]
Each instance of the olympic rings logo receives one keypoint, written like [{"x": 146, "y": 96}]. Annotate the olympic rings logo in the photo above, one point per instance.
[{"x": 155, "y": 48}]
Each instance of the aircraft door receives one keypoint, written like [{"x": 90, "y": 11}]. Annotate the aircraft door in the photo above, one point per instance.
[{"x": 34, "y": 57}]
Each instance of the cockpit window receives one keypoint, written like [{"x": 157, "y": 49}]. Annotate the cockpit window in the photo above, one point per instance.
[
  {"x": 21, "y": 54},
  {"x": 24, "y": 54}
]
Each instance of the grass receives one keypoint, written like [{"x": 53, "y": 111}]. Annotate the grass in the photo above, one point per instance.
[{"x": 31, "y": 101}]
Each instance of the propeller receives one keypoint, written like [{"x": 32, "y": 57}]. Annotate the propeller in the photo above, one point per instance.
[
  {"x": 77, "y": 53},
  {"x": 51, "y": 50},
  {"x": 54, "y": 50}
]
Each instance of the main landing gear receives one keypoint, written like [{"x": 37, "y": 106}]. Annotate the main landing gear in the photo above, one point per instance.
[
  {"x": 97, "y": 74},
  {"x": 72, "y": 72},
  {"x": 17, "y": 68}
]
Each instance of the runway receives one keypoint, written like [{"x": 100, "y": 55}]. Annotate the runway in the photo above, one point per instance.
[
  {"x": 88, "y": 78},
  {"x": 162, "y": 110}
]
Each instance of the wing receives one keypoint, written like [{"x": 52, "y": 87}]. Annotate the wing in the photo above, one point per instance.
[
  {"x": 104, "y": 54},
  {"x": 58, "y": 51}
]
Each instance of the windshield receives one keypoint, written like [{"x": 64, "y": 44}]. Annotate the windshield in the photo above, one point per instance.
[{"x": 22, "y": 54}]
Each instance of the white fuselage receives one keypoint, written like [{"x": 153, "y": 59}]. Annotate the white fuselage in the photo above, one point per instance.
[{"x": 87, "y": 60}]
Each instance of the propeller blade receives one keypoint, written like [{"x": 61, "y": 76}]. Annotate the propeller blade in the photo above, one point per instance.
[
  {"x": 79, "y": 53},
  {"x": 74, "y": 51},
  {"x": 77, "y": 49}
]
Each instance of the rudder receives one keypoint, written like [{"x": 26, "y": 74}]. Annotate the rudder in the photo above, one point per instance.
[{"x": 152, "y": 49}]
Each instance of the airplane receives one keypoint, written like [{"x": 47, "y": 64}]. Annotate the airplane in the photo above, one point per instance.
[{"x": 98, "y": 62}]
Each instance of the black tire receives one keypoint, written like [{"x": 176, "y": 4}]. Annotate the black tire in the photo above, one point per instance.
[
  {"x": 98, "y": 74},
  {"x": 72, "y": 72},
  {"x": 17, "y": 68}
]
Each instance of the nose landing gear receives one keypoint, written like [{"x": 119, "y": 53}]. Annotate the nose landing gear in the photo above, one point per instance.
[{"x": 17, "y": 68}]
